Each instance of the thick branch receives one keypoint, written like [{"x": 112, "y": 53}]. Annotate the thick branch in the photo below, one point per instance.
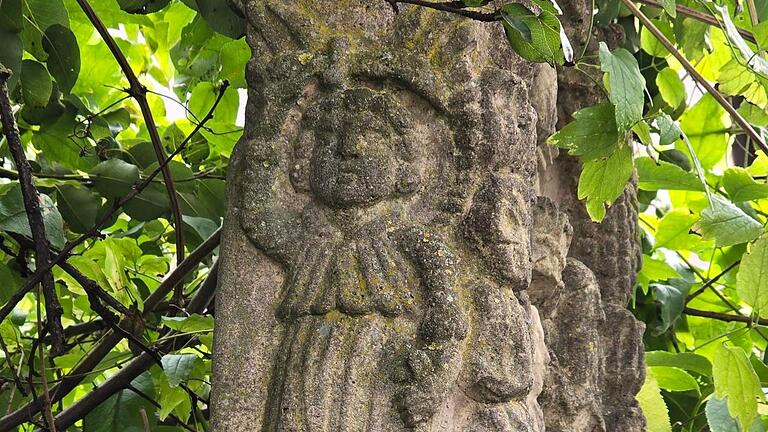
[
  {"x": 744, "y": 124},
  {"x": 34, "y": 215},
  {"x": 111, "y": 339},
  {"x": 139, "y": 93}
]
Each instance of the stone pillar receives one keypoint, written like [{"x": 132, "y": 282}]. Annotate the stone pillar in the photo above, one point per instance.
[{"x": 384, "y": 230}]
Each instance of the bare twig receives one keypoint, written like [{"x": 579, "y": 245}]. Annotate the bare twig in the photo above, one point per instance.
[
  {"x": 451, "y": 8},
  {"x": 46, "y": 402},
  {"x": 697, "y": 76},
  {"x": 139, "y": 92},
  {"x": 111, "y": 339},
  {"x": 711, "y": 282},
  {"x": 698, "y": 16},
  {"x": 725, "y": 317}
]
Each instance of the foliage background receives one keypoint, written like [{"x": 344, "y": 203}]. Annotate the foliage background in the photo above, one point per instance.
[{"x": 703, "y": 289}]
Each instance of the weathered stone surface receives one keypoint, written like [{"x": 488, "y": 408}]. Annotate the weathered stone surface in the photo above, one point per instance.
[{"x": 386, "y": 263}]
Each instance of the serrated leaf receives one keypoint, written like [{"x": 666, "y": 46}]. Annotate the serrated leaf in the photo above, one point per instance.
[
  {"x": 591, "y": 135},
  {"x": 742, "y": 187},
  {"x": 114, "y": 178},
  {"x": 727, "y": 224},
  {"x": 536, "y": 38},
  {"x": 686, "y": 360},
  {"x": 674, "y": 229},
  {"x": 752, "y": 279},
  {"x": 719, "y": 420},
  {"x": 192, "y": 324},
  {"x": 663, "y": 175},
  {"x": 36, "y": 84},
  {"x": 653, "y": 406},
  {"x": 674, "y": 379},
  {"x": 671, "y": 87},
  {"x": 177, "y": 367},
  {"x": 63, "y": 56},
  {"x": 705, "y": 124},
  {"x": 603, "y": 180},
  {"x": 13, "y": 216},
  {"x": 734, "y": 378},
  {"x": 626, "y": 85}
]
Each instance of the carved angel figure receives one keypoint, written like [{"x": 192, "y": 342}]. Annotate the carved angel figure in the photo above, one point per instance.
[{"x": 384, "y": 328}]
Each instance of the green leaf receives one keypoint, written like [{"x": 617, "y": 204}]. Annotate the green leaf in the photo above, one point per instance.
[
  {"x": 663, "y": 175},
  {"x": 668, "y": 129},
  {"x": 36, "y": 84},
  {"x": 150, "y": 204},
  {"x": 653, "y": 406},
  {"x": 192, "y": 324},
  {"x": 142, "y": 6},
  {"x": 11, "y": 51},
  {"x": 221, "y": 17},
  {"x": 13, "y": 216},
  {"x": 78, "y": 206},
  {"x": 204, "y": 96},
  {"x": 734, "y": 378},
  {"x": 170, "y": 399},
  {"x": 706, "y": 124},
  {"x": 10, "y": 16},
  {"x": 120, "y": 412},
  {"x": 686, "y": 360},
  {"x": 603, "y": 180},
  {"x": 677, "y": 158},
  {"x": 63, "y": 56},
  {"x": 39, "y": 15},
  {"x": 671, "y": 297},
  {"x": 674, "y": 379},
  {"x": 727, "y": 224},
  {"x": 114, "y": 178},
  {"x": 177, "y": 367},
  {"x": 742, "y": 187},
  {"x": 719, "y": 420},
  {"x": 626, "y": 85},
  {"x": 233, "y": 57},
  {"x": 673, "y": 231},
  {"x": 534, "y": 37},
  {"x": 752, "y": 279},
  {"x": 754, "y": 61},
  {"x": 671, "y": 87},
  {"x": 650, "y": 44},
  {"x": 669, "y": 7},
  {"x": 592, "y": 134}
]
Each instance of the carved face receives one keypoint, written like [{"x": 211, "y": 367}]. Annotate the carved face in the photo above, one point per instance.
[{"x": 357, "y": 165}]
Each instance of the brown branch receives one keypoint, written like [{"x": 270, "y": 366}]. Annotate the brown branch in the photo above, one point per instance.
[
  {"x": 111, "y": 339},
  {"x": 136, "y": 367},
  {"x": 697, "y": 76},
  {"x": 711, "y": 282},
  {"x": 698, "y": 16},
  {"x": 139, "y": 92},
  {"x": 31, "y": 199},
  {"x": 725, "y": 317},
  {"x": 35, "y": 278},
  {"x": 451, "y": 8}
]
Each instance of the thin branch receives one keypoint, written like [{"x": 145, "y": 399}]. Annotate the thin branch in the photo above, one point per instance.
[
  {"x": 136, "y": 367},
  {"x": 698, "y": 16},
  {"x": 31, "y": 197},
  {"x": 139, "y": 92},
  {"x": 697, "y": 76},
  {"x": 35, "y": 278},
  {"x": 711, "y": 282},
  {"x": 451, "y": 8},
  {"x": 111, "y": 339},
  {"x": 725, "y": 317}
]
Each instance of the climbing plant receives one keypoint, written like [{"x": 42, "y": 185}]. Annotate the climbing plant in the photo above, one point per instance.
[{"x": 119, "y": 118}]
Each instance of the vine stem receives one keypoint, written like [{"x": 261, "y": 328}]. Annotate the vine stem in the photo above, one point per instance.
[
  {"x": 31, "y": 198},
  {"x": 698, "y": 16},
  {"x": 139, "y": 93},
  {"x": 697, "y": 76}
]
